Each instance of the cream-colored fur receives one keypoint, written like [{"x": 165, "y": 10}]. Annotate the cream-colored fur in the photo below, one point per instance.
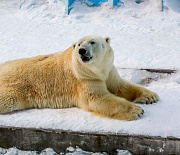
[{"x": 64, "y": 80}]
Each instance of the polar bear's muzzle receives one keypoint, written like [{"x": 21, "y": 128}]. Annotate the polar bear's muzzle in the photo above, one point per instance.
[{"x": 85, "y": 55}]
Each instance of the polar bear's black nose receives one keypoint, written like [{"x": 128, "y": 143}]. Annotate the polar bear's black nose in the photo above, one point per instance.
[{"x": 82, "y": 51}]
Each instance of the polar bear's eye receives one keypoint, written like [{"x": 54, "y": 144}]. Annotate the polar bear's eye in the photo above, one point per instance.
[
  {"x": 79, "y": 44},
  {"x": 92, "y": 42}
]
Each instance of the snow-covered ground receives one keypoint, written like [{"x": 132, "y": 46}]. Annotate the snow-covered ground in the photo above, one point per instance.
[
  {"x": 50, "y": 151},
  {"x": 141, "y": 35}
]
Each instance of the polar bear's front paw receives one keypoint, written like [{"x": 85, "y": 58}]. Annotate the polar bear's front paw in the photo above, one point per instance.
[
  {"x": 147, "y": 97},
  {"x": 133, "y": 112}
]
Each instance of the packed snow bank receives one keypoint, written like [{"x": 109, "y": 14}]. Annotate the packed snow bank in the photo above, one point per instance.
[
  {"x": 9, "y": 6},
  {"x": 127, "y": 8},
  {"x": 49, "y": 151},
  {"x": 43, "y": 8},
  {"x": 142, "y": 36}
]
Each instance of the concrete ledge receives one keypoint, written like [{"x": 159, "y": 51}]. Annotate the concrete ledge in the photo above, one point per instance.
[
  {"x": 39, "y": 139},
  {"x": 163, "y": 71}
]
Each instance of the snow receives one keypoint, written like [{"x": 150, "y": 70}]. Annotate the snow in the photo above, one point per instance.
[
  {"x": 49, "y": 151},
  {"x": 142, "y": 37}
]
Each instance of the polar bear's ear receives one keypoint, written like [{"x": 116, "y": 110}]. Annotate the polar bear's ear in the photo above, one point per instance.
[
  {"x": 107, "y": 40},
  {"x": 73, "y": 46}
]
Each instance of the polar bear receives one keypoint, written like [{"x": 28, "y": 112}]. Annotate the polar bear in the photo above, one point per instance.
[{"x": 83, "y": 76}]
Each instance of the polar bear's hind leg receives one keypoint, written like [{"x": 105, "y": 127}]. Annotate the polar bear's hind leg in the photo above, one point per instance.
[{"x": 8, "y": 102}]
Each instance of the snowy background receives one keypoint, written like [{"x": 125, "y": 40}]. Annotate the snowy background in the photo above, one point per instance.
[{"x": 142, "y": 36}]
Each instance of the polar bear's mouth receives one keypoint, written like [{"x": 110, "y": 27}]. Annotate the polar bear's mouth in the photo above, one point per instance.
[
  {"x": 85, "y": 58},
  {"x": 85, "y": 54}
]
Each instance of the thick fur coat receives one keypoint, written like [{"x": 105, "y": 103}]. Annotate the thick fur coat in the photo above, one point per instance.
[{"x": 82, "y": 76}]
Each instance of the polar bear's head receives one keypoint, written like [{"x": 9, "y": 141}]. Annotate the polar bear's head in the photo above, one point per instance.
[
  {"x": 93, "y": 49},
  {"x": 92, "y": 57}
]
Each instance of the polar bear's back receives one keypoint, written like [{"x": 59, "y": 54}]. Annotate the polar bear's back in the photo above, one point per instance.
[{"x": 42, "y": 81}]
